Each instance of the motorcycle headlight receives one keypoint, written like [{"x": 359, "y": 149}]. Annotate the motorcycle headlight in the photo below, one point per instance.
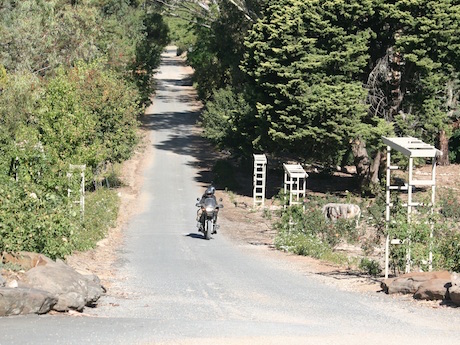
[{"x": 209, "y": 209}]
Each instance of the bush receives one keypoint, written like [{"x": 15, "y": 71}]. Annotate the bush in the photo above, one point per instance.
[
  {"x": 308, "y": 233},
  {"x": 89, "y": 115},
  {"x": 370, "y": 267},
  {"x": 35, "y": 219},
  {"x": 101, "y": 209},
  {"x": 450, "y": 207},
  {"x": 447, "y": 250},
  {"x": 225, "y": 120}
]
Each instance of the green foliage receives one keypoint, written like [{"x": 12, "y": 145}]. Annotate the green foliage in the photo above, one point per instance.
[
  {"x": 450, "y": 206},
  {"x": 227, "y": 120},
  {"x": 448, "y": 250},
  {"x": 18, "y": 104},
  {"x": 148, "y": 52},
  {"x": 454, "y": 147},
  {"x": 34, "y": 219},
  {"x": 101, "y": 209},
  {"x": 89, "y": 116},
  {"x": 224, "y": 175},
  {"x": 67, "y": 95},
  {"x": 308, "y": 233},
  {"x": 370, "y": 267},
  {"x": 306, "y": 63},
  {"x": 217, "y": 50},
  {"x": 181, "y": 34},
  {"x": 41, "y": 35}
]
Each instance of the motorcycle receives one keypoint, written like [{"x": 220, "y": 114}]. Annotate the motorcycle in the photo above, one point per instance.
[{"x": 207, "y": 216}]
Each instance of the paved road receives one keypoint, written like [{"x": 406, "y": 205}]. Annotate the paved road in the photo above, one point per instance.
[{"x": 182, "y": 289}]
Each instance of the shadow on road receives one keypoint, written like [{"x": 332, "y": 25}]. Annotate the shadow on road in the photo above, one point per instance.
[
  {"x": 187, "y": 140},
  {"x": 196, "y": 236}
]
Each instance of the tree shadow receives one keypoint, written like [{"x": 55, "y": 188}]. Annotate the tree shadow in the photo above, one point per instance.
[{"x": 187, "y": 140}]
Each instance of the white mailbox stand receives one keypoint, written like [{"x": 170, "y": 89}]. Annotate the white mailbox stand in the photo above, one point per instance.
[
  {"x": 295, "y": 182},
  {"x": 412, "y": 148},
  {"x": 259, "y": 181}
]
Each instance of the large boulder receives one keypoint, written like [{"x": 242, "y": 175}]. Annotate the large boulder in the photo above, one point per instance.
[
  {"x": 434, "y": 289},
  {"x": 22, "y": 301},
  {"x": 409, "y": 283},
  {"x": 73, "y": 290}
]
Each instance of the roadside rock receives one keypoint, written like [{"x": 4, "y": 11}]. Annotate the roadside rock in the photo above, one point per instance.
[
  {"x": 409, "y": 283},
  {"x": 431, "y": 286},
  {"x": 73, "y": 290},
  {"x": 21, "y": 301},
  {"x": 41, "y": 284},
  {"x": 434, "y": 289}
]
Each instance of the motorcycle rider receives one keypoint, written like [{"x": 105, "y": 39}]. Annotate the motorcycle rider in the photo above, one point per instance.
[{"x": 209, "y": 193}]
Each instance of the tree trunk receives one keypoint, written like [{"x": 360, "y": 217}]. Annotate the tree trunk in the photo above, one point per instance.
[
  {"x": 374, "y": 169},
  {"x": 367, "y": 171},
  {"x": 361, "y": 158},
  {"x": 444, "y": 148}
]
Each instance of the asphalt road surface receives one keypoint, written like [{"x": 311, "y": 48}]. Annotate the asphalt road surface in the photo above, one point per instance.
[{"x": 181, "y": 289}]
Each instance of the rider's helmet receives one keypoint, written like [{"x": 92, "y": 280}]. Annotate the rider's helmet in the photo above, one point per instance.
[{"x": 210, "y": 191}]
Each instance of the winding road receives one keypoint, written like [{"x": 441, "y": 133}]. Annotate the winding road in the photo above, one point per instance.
[{"x": 181, "y": 289}]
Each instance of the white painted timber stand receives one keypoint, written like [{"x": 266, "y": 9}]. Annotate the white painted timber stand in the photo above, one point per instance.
[
  {"x": 295, "y": 182},
  {"x": 81, "y": 169},
  {"x": 412, "y": 148},
  {"x": 260, "y": 175}
]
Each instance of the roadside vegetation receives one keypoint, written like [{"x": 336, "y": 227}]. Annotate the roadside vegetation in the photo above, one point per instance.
[
  {"x": 307, "y": 232},
  {"x": 307, "y": 81},
  {"x": 74, "y": 79},
  {"x": 320, "y": 82}
]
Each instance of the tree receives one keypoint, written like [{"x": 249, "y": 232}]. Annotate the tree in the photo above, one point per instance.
[
  {"x": 306, "y": 61},
  {"x": 41, "y": 35},
  {"x": 154, "y": 37},
  {"x": 427, "y": 35}
]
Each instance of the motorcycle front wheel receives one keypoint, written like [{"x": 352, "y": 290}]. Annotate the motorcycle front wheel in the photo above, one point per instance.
[{"x": 208, "y": 229}]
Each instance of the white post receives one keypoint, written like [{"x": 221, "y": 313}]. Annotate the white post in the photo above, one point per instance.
[
  {"x": 409, "y": 211},
  {"x": 387, "y": 212},
  {"x": 433, "y": 196}
]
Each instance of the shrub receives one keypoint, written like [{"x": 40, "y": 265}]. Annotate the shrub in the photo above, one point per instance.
[
  {"x": 35, "y": 219},
  {"x": 448, "y": 250},
  {"x": 225, "y": 120},
  {"x": 101, "y": 209},
  {"x": 450, "y": 207},
  {"x": 370, "y": 267},
  {"x": 308, "y": 233}
]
